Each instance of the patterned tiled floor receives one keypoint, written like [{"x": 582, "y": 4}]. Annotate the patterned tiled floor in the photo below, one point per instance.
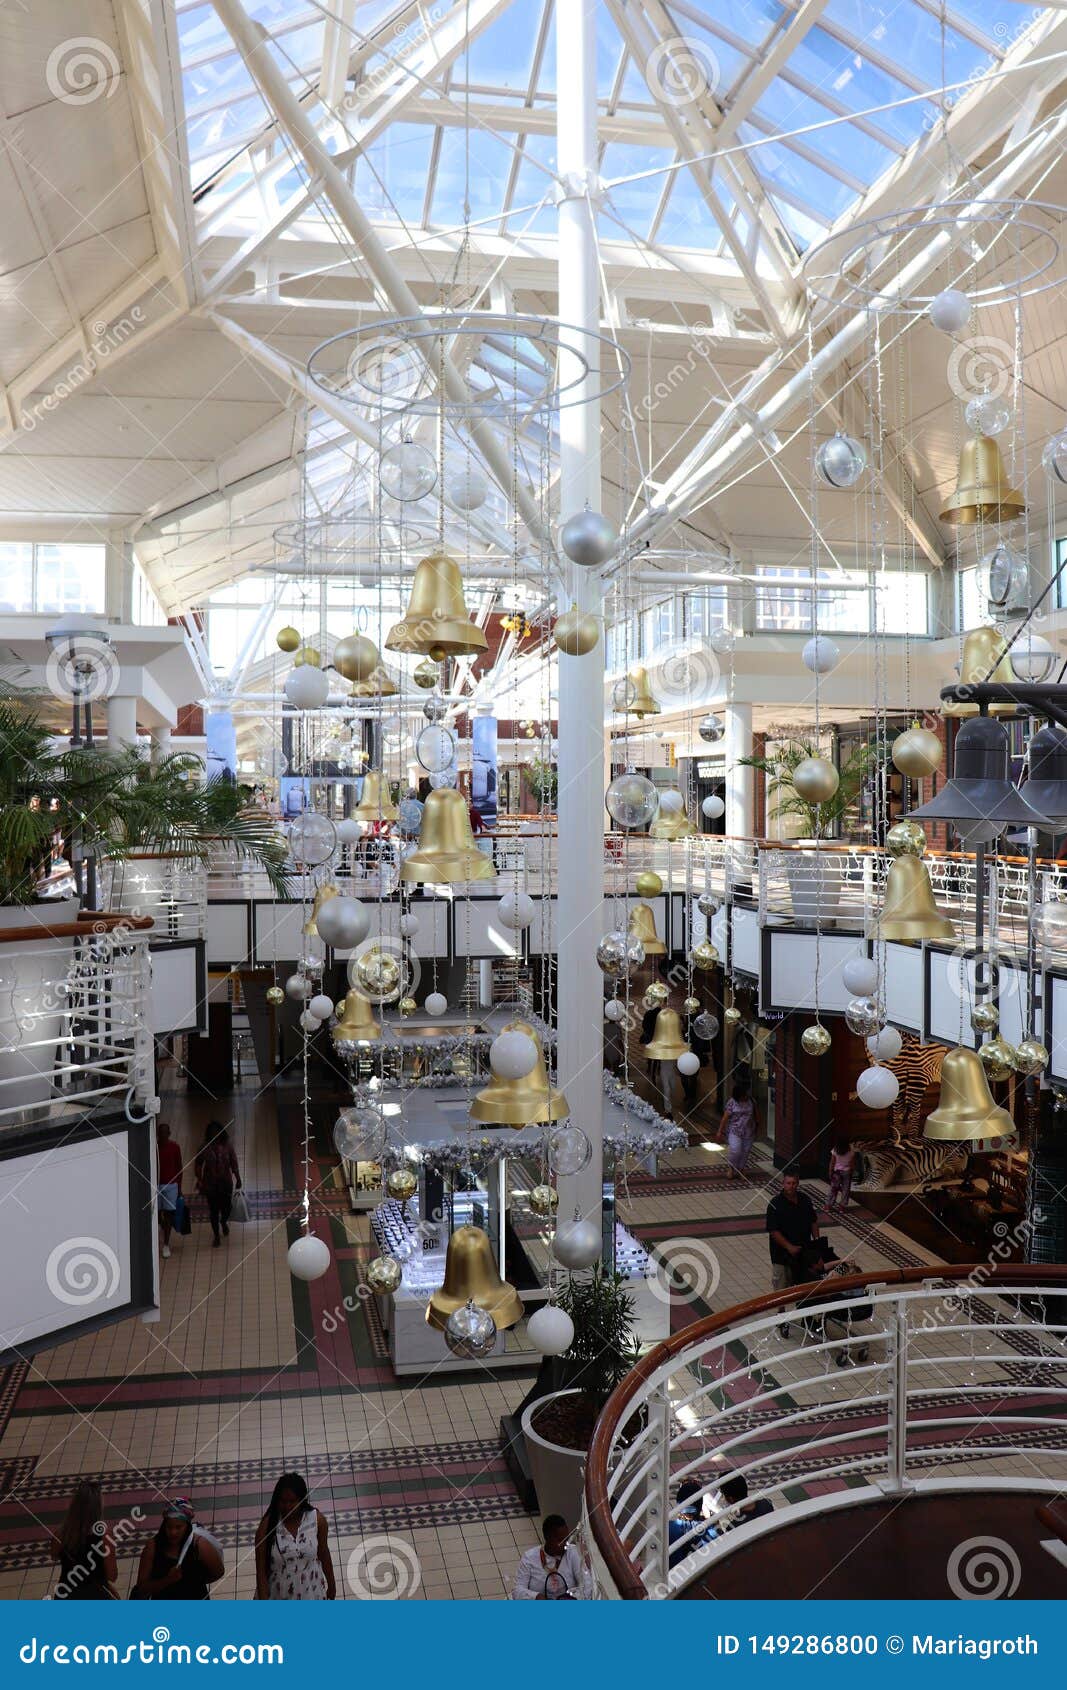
[{"x": 244, "y": 1376}]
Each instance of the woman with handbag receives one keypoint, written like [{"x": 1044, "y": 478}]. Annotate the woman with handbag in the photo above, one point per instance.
[
  {"x": 170, "y": 1198},
  {"x": 180, "y": 1562},
  {"x": 217, "y": 1175},
  {"x": 85, "y": 1549}
]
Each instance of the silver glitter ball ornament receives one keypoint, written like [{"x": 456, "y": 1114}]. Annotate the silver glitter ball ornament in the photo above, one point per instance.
[{"x": 470, "y": 1332}]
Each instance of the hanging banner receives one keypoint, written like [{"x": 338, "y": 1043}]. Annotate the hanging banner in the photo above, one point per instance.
[{"x": 483, "y": 768}]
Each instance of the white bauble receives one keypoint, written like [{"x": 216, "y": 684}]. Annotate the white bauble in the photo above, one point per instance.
[
  {"x": 516, "y": 911},
  {"x": 577, "y": 1244},
  {"x": 467, "y": 486},
  {"x": 550, "y": 1330},
  {"x": 321, "y": 1006},
  {"x": 671, "y": 802},
  {"x": 885, "y": 1046},
  {"x": 349, "y": 831},
  {"x": 950, "y": 311},
  {"x": 408, "y": 925},
  {"x": 512, "y": 1055},
  {"x": 307, "y": 688},
  {"x": 436, "y": 1003},
  {"x": 298, "y": 988},
  {"x": 688, "y": 1063},
  {"x": 820, "y": 655},
  {"x": 860, "y": 976},
  {"x": 343, "y": 922},
  {"x": 713, "y": 807},
  {"x": 878, "y": 1088},
  {"x": 309, "y": 1257},
  {"x": 309, "y": 1023}
]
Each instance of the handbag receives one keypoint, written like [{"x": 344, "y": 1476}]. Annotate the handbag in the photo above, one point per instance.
[
  {"x": 239, "y": 1210},
  {"x": 183, "y": 1220}
]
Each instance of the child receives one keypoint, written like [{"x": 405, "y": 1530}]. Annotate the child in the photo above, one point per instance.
[{"x": 842, "y": 1157}]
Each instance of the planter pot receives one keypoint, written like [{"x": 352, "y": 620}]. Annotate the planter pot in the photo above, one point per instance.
[
  {"x": 557, "y": 1473},
  {"x": 33, "y": 973},
  {"x": 815, "y": 883}
]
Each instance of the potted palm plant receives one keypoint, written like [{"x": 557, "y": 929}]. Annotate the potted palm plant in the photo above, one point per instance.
[
  {"x": 558, "y": 1427},
  {"x": 814, "y": 876},
  {"x": 64, "y": 801}
]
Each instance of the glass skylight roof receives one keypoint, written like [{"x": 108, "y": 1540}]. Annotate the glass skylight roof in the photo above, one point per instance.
[{"x": 847, "y": 100}]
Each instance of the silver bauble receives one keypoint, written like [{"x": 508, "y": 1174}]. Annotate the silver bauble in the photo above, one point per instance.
[
  {"x": 863, "y": 1016},
  {"x": 711, "y": 729},
  {"x": 359, "y": 1133},
  {"x": 384, "y": 1275},
  {"x": 343, "y": 922},
  {"x": 577, "y": 1244},
  {"x": 435, "y": 709},
  {"x": 470, "y": 1332},
  {"x": 618, "y": 954},
  {"x": 567, "y": 1149},
  {"x": 632, "y": 800},
  {"x": 589, "y": 539},
  {"x": 840, "y": 461},
  {"x": 706, "y": 1025}
]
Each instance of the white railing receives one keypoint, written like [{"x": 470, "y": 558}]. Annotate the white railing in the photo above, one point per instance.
[
  {"x": 75, "y": 1034},
  {"x": 173, "y": 890},
  {"x": 891, "y": 1381},
  {"x": 843, "y": 888}
]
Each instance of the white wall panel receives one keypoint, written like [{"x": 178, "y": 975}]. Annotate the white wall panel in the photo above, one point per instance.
[
  {"x": 227, "y": 933},
  {"x": 1056, "y": 1025},
  {"x": 795, "y": 959},
  {"x": 174, "y": 998},
  {"x": 746, "y": 938},
  {"x": 904, "y": 985},
  {"x": 951, "y": 997},
  {"x": 278, "y": 930}
]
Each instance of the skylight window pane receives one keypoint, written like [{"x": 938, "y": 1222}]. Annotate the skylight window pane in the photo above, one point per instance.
[
  {"x": 842, "y": 143},
  {"x": 221, "y": 133},
  {"x": 390, "y": 177},
  {"x": 687, "y": 221},
  {"x": 635, "y": 202},
  {"x": 797, "y": 178},
  {"x": 484, "y": 177},
  {"x": 502, "y": 55},
  {"x": 830, "y": 65},
  {"x": 908, "y": 35},
  {"x": 531, "y": 185}
]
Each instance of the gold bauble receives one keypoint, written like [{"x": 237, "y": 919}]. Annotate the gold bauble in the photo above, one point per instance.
[
  {"x": 402, "y": 1184},
  {"x": 815, "y": 780},
  {"x": 815, "y": 1040},
  {"x": 704, "y": 955},
  {"x": 731, "y": 1016},
  {"x": 985, "y": 1017},
  {"x": 310, "y": 655},
  {"x": 275, "y": 995},
  {"x": 462, "y": 1067},
  {"x": 426, "y": 674},
  {"x": 656, "y": 994},
  {"x": 1031, "y": 1058},
  {"x": 384, "y": 1275},
  {"x": 576, "y": 634},
  {"x": 648, "y": 884},
  {"x": 917, "y": 752},
  {"x": 407, "y": 1006},
  {"x": 356, "y": 657},
  {"x": 906, "y": 839},
  {"x": 691, "y": 1006},
  {"x": 288, "y": 639},
  {"x": 377, "y": 974},
  {"x": 544, "y": 1200},
  {"x": 998, "y": 1059}
]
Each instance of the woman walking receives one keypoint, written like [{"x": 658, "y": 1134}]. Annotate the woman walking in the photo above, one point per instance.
[
  {"x": 293, "y": 1561},
  {"x": 181, "y": 1561},
  {"x": 85, "y": 1549},
  {"x": 739, "y": 1126},
  {"x": 217, "y": 1176}
]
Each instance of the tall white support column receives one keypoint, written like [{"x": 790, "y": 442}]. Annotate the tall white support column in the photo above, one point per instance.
[
  {"x": 581, "y": 679},
  {"x": 161, "y": 744},
  {"x": 121, "y": 723},
  {"x": 740, "y": 781}
]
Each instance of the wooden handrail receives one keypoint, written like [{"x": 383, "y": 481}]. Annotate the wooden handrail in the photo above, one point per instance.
[
  {"x": 618, "y": 1407},
  {"x": 86, "y": 921}
]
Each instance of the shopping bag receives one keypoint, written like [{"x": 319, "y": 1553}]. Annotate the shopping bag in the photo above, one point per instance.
[{"x": 239, "y": 1210}]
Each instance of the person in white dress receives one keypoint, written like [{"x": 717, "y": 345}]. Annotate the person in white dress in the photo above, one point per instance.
[
  {"x": 293, "y": 1561},
  {"x": 551, "y": 1571}
]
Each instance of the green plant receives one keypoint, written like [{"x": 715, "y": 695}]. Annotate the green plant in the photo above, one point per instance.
[
  {"x": 604, "y": 1347},
  {"x": 543, "y": 781},
  {"x": 819, "y": 820},
  {"x": 115, "y": 802}
]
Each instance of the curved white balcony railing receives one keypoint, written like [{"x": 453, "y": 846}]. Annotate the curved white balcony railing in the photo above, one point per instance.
[{"x": 824, "y": 1398}]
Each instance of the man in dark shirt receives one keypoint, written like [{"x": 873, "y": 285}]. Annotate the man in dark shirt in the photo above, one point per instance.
[{"x": 792, "y": 1225}]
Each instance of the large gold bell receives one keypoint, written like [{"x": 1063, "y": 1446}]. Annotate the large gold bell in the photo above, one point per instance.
[
  {"x": 446, "y": 853},
  {"x": 378, "y": 684},
  {"x": 643, "y": 927},
  {"x": 357, "y": 1024},
  {"x": 375, "y": 803},
  {"x": 982, "y": 491},
  {"x": 642, "y": 703},
  {"x": 985, "y": 657},
  {"x": 436, "y": 622},
  {"x": 667, "y": 1043},
  {"x": 965, "y": 1111},
  {"x": 671, "y": 827},
  {"x": 323, "y": 893},
  {"x": 520, "y": 1103},
  {"x": 909, "y": 910},
  {"x": 472, "y": 1276}
]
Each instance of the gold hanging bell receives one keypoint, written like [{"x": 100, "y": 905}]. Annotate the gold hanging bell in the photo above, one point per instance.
[
  {"x": 643, "y": 927},
  {"x": 378, "y": 684},
  {"x": 673, "y": 826},
  {"x": 982, "y": 490},
  {"x": 966, "y": 1113},
  {"x": 985, "y": 656},
  {"x": 909, "y": 910},
  {"x": 667, "y": 1043},
  {"x": 356, "y": 1024},
  {"x": 446, "y": 853},
  {"x": 472, "y": 1276},
  {"x": 375, "y": 803},
  {"x": 329, "y": 890},
  {"x": 642, "y": 704},
  {"x": 520, "y": 1103},
  {"x": 436, "y": 622}
]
